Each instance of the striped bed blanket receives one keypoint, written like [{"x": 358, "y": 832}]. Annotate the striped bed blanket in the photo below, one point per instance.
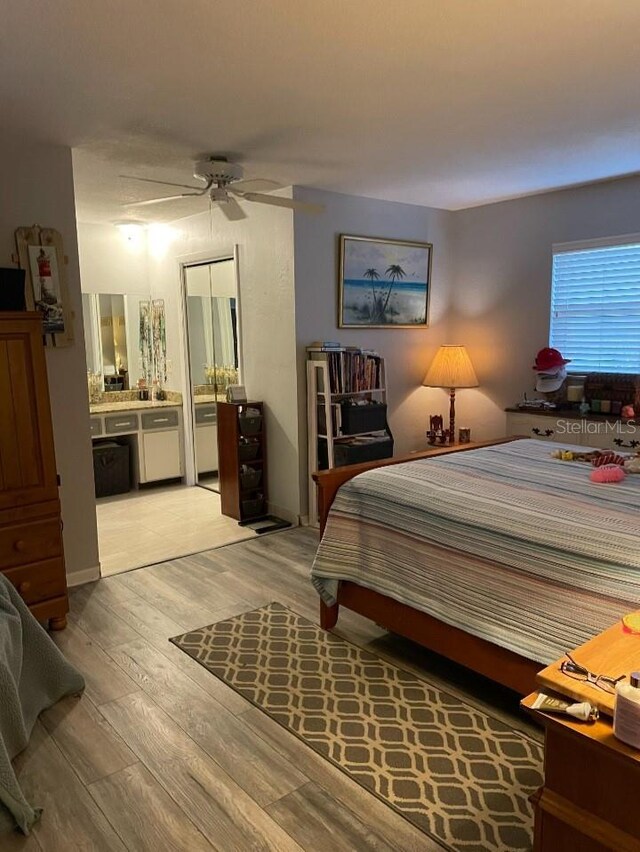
[{"x": 504, "y": 542}]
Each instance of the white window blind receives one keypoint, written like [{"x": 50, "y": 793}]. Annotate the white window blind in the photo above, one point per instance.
[{"x": 595, "y": 305}]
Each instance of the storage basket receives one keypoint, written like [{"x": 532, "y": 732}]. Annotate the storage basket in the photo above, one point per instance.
[
  {"x": 250, "y": 478},
  {"x": 250, "y": 425},
  {"x": 111, "y": 468},
  {"x": 253, "y": 508},
  {"x": 248, "y": 450},
  {"x": 363, "y": 418},
  {"x": 346, "y": 453}
]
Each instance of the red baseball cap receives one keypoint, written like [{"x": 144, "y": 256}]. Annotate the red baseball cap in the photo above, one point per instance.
[{"x": 548, "y": 359}]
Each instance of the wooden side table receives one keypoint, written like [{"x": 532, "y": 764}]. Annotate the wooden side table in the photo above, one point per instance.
[{"x": 589, "y": 802}]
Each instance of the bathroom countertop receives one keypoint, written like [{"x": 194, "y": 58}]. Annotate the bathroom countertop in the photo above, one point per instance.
[
  {"x": 205, "y": 398},
  {"x": 131, "y": 405}
]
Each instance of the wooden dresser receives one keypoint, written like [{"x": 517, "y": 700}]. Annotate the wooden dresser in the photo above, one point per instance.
[{"x": 31, "y": 554}]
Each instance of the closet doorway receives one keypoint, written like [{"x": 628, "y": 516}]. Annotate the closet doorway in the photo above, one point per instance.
[{"x": 211, "y": 316}]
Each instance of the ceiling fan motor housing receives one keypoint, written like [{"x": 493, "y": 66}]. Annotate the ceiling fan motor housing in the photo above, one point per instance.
[{"x": 220, "y": 171}]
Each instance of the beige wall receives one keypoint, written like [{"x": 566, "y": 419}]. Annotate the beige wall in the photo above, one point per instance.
[
  {"x": 502, "y": 287},
  {"x": 36, "y": 185},
  {"x": 407, "y": 352}
]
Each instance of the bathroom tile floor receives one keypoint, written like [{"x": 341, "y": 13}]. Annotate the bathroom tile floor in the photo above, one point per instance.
[{"x": 155, "y": 525}]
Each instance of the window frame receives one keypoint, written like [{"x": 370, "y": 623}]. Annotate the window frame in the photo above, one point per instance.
[{"x": 586, "y": 245}]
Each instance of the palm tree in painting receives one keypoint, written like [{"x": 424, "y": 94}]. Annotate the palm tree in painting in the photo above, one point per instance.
[
  {"x": 372, "y": 275},
  {"x": 394, "y": 272}
]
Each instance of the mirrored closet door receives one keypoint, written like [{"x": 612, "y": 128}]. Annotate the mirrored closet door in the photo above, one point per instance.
[{"x": 212, "y": 333}]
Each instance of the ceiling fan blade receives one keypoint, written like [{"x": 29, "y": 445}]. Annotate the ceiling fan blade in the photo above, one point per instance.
[
  {"x": 276, "y": 201},
  {"x": 232, "y": 210},
  {"x": 162, "y": 182},
  {"x": 162, "y": 200},
  {"x": 256, "y": 185}
]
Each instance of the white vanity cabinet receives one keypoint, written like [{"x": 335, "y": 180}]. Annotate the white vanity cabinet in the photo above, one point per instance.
[
  {"x": 160, "y": 450},
  {"x": 590, "y": 431},
  {"x": 206, "y": 438},
  {"x": 155, "y": 436}
]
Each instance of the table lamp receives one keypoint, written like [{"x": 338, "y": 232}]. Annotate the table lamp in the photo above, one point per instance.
[{"x": 451, "y": 368}]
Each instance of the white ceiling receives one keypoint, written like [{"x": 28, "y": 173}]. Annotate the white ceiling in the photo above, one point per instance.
[{"x": 446, "y": 103}]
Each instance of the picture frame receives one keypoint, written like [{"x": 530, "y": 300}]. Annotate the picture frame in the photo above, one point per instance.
[
  {"x": 236, "y": 393},
  {"x": 383, "y": 283},
  {"x": 41, "y": 256}
]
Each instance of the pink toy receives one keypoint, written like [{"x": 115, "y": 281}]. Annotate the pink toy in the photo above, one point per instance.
[{"x": 607, "y": 473}]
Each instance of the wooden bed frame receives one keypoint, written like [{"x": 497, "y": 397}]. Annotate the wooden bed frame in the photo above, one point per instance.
[{"x": 498, "y": 664}]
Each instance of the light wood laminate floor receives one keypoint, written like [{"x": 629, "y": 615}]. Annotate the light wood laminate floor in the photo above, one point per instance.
[{"x": 160, "y": 755}]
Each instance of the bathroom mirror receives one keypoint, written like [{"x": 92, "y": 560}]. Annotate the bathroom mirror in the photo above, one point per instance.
[
  {"x": 111, "y": 331},
  {"x": 212, "y": 327}
]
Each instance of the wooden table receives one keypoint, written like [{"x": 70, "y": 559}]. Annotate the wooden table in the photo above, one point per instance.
[
  {"x": 589, "y": 802},
  {"x": 614, "y": 652}
]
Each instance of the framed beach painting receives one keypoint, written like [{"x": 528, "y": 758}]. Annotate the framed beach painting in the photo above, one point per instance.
[{"x": 383, "y": 283}]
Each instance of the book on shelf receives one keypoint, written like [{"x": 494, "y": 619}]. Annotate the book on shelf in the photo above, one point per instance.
[
  {"x": 325, "y": 346},
  {"x": 351, "y": 369}
]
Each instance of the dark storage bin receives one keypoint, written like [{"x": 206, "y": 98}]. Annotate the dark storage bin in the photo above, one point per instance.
[
  {"x": 346, "y": 453},
  {"x": 363, "y": 418},
  {"x": 250, "y": 478},
  {"x": 250, "y": 425},
  {"x": 252, "y": 508},
  {"x": 248, "y": 450},
  {"x": 111, "y": 468}
]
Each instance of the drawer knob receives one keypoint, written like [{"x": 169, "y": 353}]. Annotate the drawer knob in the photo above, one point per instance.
[
  {"x": 24, "y": 587},
  {"x": 20, "y": 545}
]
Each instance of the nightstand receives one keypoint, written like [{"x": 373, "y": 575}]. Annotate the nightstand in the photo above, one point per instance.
[{"x": 589, "y": 801}]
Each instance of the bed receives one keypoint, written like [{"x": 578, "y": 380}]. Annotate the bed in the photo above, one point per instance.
[{"x": 497, "y": 556}]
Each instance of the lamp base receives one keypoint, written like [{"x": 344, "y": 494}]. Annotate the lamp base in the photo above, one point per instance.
[{"x": 452, "y": 415}]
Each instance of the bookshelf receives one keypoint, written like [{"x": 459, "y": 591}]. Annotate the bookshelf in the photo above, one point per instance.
[{"x": 346, "y": 410}]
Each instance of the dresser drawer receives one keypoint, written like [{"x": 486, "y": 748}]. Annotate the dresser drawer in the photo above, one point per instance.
[
  {"x": 206, "y": 414},
  {"x": 116, "y": 424},
  {"x": 39, "y": 582},
  {"x": 166, "y": 418},
  {"x": 26, "y": 543},
  {"x": 96, "y": 426}
]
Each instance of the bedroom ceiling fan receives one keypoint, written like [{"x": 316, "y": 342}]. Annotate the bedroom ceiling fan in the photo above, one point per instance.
[{"x": 223, "y": 184}]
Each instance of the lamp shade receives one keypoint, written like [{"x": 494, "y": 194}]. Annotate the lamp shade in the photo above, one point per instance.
[{"x": 451, "y": 368}]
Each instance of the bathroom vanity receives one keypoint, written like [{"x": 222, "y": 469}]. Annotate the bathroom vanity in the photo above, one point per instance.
[{"x": 154, "y": 432}]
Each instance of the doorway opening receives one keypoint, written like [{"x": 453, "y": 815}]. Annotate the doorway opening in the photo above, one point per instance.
[{"x": 146, "y": 430}]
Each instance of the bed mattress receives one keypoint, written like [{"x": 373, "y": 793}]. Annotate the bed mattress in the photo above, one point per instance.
[{"x": 504, "y": 542}]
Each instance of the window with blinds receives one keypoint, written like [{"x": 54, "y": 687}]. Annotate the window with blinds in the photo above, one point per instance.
[{"x": 595, "y": 305}]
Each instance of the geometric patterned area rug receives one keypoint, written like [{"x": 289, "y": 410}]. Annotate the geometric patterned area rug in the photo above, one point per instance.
[{"x": 458, "y": 774}]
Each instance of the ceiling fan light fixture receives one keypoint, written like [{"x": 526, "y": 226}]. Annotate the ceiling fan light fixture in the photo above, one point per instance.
[
  {"x": 218, "y": 170},
  {"x": 131, "y": 229}
]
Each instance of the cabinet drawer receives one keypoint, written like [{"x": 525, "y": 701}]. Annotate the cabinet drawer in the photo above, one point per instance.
[
  {"x": 611, "y": 436},
  {"x": 164, "y": 419},
  {"x": 543, "y": 428},
  {"x": 39, "y": 582},
  {"x": 206, "y": 414},
  {"x": 26, "y": 543},
  {"x": 116, "y": 424},
  {"x": 96, "y": 426}
]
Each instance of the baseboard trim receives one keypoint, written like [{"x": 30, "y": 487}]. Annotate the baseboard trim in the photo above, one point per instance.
[
  {"x": 285, "y": 514},
  {"x": 87, "y": 575}
]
